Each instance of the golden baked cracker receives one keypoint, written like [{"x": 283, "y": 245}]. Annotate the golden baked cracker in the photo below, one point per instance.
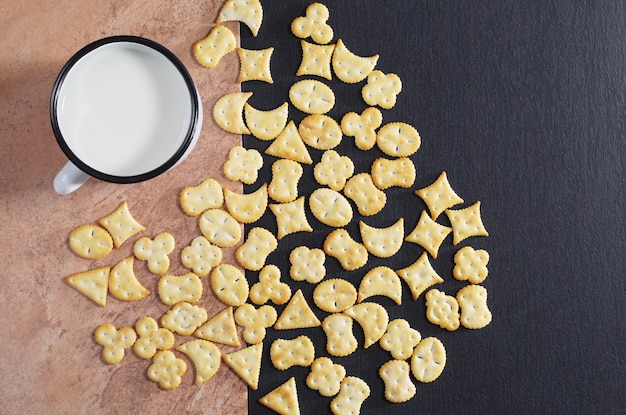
[
  {"x": 155, "y": 251},
  {"x": 184, "y": 318},
  {"x": 340, "y": 340},
  {"x": 269, "y": 287},
  {"x": 196, "y": 199},
  {"x": 254, "y": 65},
  {"x": 94, "y": 284},
  {"x": 351, "y": 68},
  {"x": 420, "y": 276},
  {"x": 289, "y": 145},
  {"x": 209, "y": 50},
  {"x": 151, "y": 338},
  {"x": 396, "y": 374},
  {"x": 246, "y": 363},
  {"x": 350, "y": 254},
  {"x": 352, "y": 393},
  {"x": 285, "y": 177},
  {"x": 439, "y": 196},
  {"x": 368, "y": 198},
  {"x": 313, "y": 24},
  {"x": 380, "y": 280},
  {"x": 428, "y": 234},
  {"x": 167, "y": 370},
  {"x": 334, "y": 295},
  {"x": 475, "y": 313},
  {"x": 266, "y": 125},
  {"x": 248, "y": 12},
  {"x": 114, "y": 341},
  {"x": 325, "y": 376},
  {"x": 229, "y": 284},
  {"x": 297, "y": 314},
  {"x": 123, "y": 283},
  {"x": 330, "y": 207},
  {"x": 466, "y": 223},
  {"x": 320, "y": 132},
  {"x": 228, "y": 112},
  {"x": 312, "y": 96},
  {"x": 381, "y": 89},
  {"x": 284, "y": 399},
  {"x": 254, "y": 321},
  {"x": 220, "y": 228},
  {"x": 382, "y": 242},
  {"x": 290, "y": 217},
  {"x": 398, "y": 139},
  {"x": 470, "y": 265},
  {"x": 91, "y": 242},
  {"x": 387, "y": 173},
  {"x": 428, "y": 360},
  {"x": 243, "y": 165},
  {"x": 206, "y": 358},
  {"x": 220, "y": 328},
  {"x": 442, "y": 310},
  {"x": 400, "y": 339},
  {"x": 333, "y": 170},
  {"x": 373, "y": 319},
  {"x": 176, "y": 288},
  {"x": 315, "y": 60},
  {"x": 121, "y": 224},
  {"x": 296, "y": 352},
  {"x": 200, "y": 256},
  {"x": 362, "y": 127},
  {"x": 249, "y": 207},
  {"x": 307, "y": 264},
  {"x": 253, "y": 253}
]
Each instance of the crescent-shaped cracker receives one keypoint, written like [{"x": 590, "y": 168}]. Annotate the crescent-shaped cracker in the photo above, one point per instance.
[
  {"x": 266, "y": 125},
  {"x": 373, "y": 319},
  {"x": 248, "y": 12},
  {"x": 228, "y": 112},
  {"x": 351, "y": 68},
  {"x": 246, "y": 208},
  {"x": 205, "y": 356},
  {"x": 382, "y": 242},
  {"x": 123, "y": 283},
  {"x": 381, "y": 281}
]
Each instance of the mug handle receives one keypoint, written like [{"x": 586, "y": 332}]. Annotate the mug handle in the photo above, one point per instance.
[{"x": 69, "y": 179}]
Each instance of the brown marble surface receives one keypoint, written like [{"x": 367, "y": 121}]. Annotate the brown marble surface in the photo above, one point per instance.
[{"x": 49, "y": 360}]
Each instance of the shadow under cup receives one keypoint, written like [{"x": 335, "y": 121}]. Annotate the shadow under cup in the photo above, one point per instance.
[{"x": 124, "y": 109}]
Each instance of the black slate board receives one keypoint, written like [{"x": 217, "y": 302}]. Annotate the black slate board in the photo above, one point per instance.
[{"x": 523, "y": 105}]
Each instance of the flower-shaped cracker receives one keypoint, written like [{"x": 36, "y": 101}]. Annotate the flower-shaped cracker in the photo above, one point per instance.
[
  {"x": 471, "y": 265},
  {"x": 167, "y": 370},
  {"x": 269, "y": 287},
  {"x": 151, "y": 338},
  {"x": 114, "y": 341},
  {"x": 400, "y": 339},
  {"x": 155, "y": 251},
  {"x": 255, "y": 321},
  {"x": 201, "y": 256},
  {"x": 307, "y": 264},
  {"x": 313, "y": 24},
  {"x": 381, "y": 89},
  {"x": 325, "y": 376},
  {"x": 333, "y": 170},
  {"x": 243, "y": 165},
  {"x": 362, "y": 127}
]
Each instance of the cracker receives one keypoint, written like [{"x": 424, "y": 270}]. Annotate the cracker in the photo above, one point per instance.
[
  {"x": 387, "y": 173},
  {"x": 229, "y": 285},
  {"x": 428, "y": 234},
  {"x": 253, "y": 253},
  {"x": 381, "y": 89},
  {"x": 352, "y": 393},
  {"x": 368, "y": 198},
  {"x": 184, "y": 318},
  {"x": 196, "y": 199},
  {"x": 248, "y": 12},
  {"x": 176, "y": 288},
  {"x": 228, "y": 112},
  {"x": 91, "y": 242},
  {"x": 349, "y": 67},
  {"x": 243, "y": 165},
  {"x": 313, "y": 24},
  {"x": 442, "y": 310},
  {"x": 312, "y": 97},
  {"x": 167, "y": 370},
  {"x": 200, "y": 256},
  {"x": 307, "y": 264},
  {"x": 439, "y": 196},
  {"x": 269, "y": 287},
  {"x": 471, "y": 265},
  {"x": 114, "y": 341},
  {"x": 325, "y": 376},
  {"x": 209, "y": 50},
  {"x": 400, "y": 339},
  {"x": 398, "y": 139},
  {"x": 419, "y": 276},
  {"x": 123, "y": 283},
  {"x": 288, "y": 353},
  {"x": 340, "y": 339},
  {"x": 220, "y": 328},
  {"x": 297, "y": 314},
  {"x": 362, "y": 127},
  {"x": 475, "y": 313},
  {"x": 396, "y": 374},
  {"x": 382, "y": 242},
  {"x": 334, "y": 295},
  {"x": 284, "y": 399},
  {"x": 290, "y": 217},
  {"x": 249, "y": 207},
  {"x": 266, "y": 125},
  {"x": 289, "y": 145},
  {"x": 93, "y": 284},
  {"x": 333, "y": 170},
  {"x": 315, "y": 60},
  {"x": 382, "y": 281},
  {"x": 121, "y": 224},
  {"x": 151, "y": 338},
  {"x": 254, "y": 321},
  {"x": 466, "y": 223},
  {"x": 428, "y": 360},
  {"x": 373, "y": 319},
  {"x": 350, "y": 254},
  {"x": 155, "y": 251},
  {"x": 206, "y": 358},
  {"x": 254, "y": 65},
  {"x": 285, "y": 177},
  {"x": 246, "y": 363},
  {"x": 320, "y": 132},
  {"x": 220, "y": 228},
  {"x": 330, "y": 207}
]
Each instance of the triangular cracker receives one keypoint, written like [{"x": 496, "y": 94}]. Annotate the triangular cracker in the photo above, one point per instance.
[
  {"x": 246, "y": 363},
  {"x": 220, "y": 328},
  {"x": 428, "y": 234},
  {"x": 284, "y": 399},
  {"x": 289, "y": 145},
  {"x": 419, "y": 276},
  {"x": 93, "y": 283},
  {"x": 297, "y": 314}
]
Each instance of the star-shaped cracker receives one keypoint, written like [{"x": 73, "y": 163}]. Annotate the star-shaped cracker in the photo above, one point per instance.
[
  {"x": 420, "y": 275},
  {"x": 466, "y": 223},
  {"x": 290, "y": 217},
  {"x": 428, "y": 234},
  {"x": 254, "y": 65},
  {"x": 121, "y": 224},
  {"x": 439, "y": 196}
]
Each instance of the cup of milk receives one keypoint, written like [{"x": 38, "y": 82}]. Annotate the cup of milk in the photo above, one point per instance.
[{"x": 124, "y": 109}]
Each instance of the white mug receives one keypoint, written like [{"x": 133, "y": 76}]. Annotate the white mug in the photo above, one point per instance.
[{"x": 124, "y": 109}]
